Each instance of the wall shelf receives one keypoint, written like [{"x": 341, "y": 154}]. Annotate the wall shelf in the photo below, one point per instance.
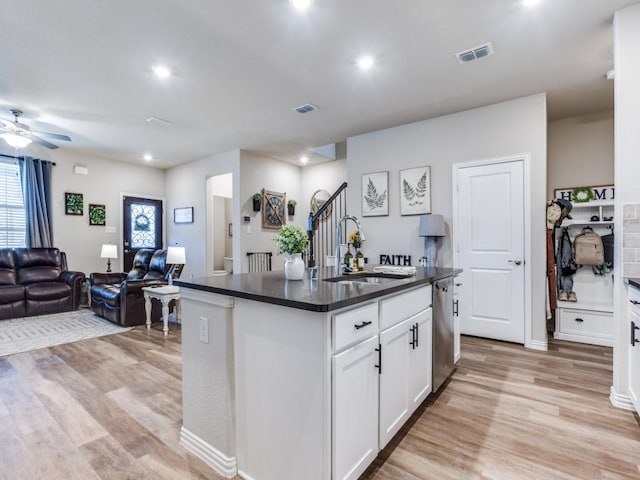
[{"x": 590, "y": 319}]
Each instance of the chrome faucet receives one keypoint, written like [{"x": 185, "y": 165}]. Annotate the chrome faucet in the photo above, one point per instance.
[{"x": 338, "y": 262}]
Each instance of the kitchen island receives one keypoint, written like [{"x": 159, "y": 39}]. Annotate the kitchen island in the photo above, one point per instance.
[{"x": 302, "y": 379}]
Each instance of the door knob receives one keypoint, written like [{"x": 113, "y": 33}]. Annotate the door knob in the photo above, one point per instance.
[{"x": 516, "y": 262}]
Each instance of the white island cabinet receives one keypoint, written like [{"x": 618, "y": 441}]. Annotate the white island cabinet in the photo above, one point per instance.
[
  {"x": 309, "y": 394},
  {"x": 634, "y": 352}
]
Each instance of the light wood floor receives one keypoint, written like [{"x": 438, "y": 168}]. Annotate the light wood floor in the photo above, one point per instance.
[
  {"x": 110, "y": 408},
  {"x": 509, "y": 413}
]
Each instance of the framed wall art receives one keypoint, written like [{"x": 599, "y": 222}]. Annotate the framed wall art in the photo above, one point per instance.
[
  {"x": 375, "y": 194},
  {"x": 183, "y": 215},
  {"x": 73, "y": 204},
  {"x": 97, "y": 214},
  {"x": 273, "y": 204},
  {"x": 415, "y": 191}
]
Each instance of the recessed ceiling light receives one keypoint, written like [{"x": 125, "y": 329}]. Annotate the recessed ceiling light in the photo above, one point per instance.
[
  {"x": 162, "y": 71},
  {"x": 304, "y": 159},
  {"x": 147, "y": 157},
  {"x": 365, "y": 62},
  {"x": 530, "y": 3},
  {"x": 301, "y": 4}
]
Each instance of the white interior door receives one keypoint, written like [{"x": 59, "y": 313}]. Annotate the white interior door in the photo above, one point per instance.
[{"x": 489, "y": 233}]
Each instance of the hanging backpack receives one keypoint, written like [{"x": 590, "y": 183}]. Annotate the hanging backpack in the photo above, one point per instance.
[{"x": 588, "y": 248}]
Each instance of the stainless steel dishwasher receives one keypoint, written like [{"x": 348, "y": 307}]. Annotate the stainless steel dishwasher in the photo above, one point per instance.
[{"x": 443, "y": 356}]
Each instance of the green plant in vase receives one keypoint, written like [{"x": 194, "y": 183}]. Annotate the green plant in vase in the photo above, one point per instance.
[
  {"x": 292, "y": 240},
  {"x": 257, "y": 200},
  {"x": 356, "y": 241},
  {"x": 291, "y": 207}
]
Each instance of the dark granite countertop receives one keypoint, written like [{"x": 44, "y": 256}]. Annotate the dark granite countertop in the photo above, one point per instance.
[
  {"x": 634, "y": 282},
  {"x": 316, "y": 295}
]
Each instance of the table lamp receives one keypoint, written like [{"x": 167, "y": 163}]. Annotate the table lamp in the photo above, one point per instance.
[
  {"x": 109, "y": 251},
  {"x": 432, "y": 227},
  {"x": 175, "y": 256}
]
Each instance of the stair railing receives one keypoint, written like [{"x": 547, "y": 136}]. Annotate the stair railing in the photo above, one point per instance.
[{"x": 321, "y": 227}]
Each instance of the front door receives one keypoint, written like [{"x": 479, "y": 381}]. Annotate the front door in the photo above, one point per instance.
[
  {"x": 142, "y": 218},
  {"x": 490, "y": 242}
]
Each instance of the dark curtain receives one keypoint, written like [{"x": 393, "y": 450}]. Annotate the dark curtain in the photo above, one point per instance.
[{"x": 36, "y": 190}]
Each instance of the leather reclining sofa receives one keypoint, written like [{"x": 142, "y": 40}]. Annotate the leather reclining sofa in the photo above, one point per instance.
[
  {"x": 118, "y": 297},
  {"x": 36, "y": 281}
]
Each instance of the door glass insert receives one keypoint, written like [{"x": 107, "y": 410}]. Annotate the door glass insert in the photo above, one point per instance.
[{"x": 143, "y": 227}]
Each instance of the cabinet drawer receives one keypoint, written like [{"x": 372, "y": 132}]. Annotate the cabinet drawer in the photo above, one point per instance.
[
  {"x": 353, "y": 325},
  {"x": 634, "y": 299},
  {"x": 404, "y": 305},
  {"x": 587, "y": 323}
]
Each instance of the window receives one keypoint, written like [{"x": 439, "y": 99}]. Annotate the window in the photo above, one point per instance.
[{"x": 12, "y": 216}]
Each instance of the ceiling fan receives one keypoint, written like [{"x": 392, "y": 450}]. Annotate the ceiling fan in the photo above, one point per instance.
[{"x": 19, "y": 135}]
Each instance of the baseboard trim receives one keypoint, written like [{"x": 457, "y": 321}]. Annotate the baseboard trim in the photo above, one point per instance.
[
  {"x": 244, "y": 476},
  {"x": 542, "y": 346},
  {"x": 620, "y": 401},
  {"x": 225, "y": 466}
]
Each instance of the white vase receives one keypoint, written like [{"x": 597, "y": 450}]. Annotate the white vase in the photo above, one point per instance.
[{"x": 294, "y": 267}]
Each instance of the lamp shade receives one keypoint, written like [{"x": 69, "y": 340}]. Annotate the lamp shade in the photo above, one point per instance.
[
  {"x": 432, "y": 226},
  {"x": 109, "y": 251},
  {"x": 176, "y": 256}
]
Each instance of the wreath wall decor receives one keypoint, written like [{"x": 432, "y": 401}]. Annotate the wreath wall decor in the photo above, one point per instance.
[{"x": 582, "y": 195}]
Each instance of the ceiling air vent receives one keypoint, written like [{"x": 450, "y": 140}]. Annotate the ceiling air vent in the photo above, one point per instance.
[
  {"x": 475, "y": 53},
  {"x": 306, "y": 108}
]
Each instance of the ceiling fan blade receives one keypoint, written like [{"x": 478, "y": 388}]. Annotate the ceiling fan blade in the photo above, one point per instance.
[
  {"x": 6, "y": 123},
  {"x": 43, "y": 142},
  {"x": 57, "y": 136}
]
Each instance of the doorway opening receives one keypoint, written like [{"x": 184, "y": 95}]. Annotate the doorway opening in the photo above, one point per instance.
[{"x": 220, "y": 224}]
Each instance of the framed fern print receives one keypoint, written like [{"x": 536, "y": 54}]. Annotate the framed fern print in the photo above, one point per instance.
[
  {"x": 375, "y": 194},
  {"x": 415, "y": 191}
]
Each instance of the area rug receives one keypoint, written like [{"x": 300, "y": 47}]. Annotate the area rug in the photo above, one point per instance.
[{"x": 31, "y": 333}]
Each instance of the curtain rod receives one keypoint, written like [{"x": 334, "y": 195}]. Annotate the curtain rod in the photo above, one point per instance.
[{"x": 16, "y": 158}]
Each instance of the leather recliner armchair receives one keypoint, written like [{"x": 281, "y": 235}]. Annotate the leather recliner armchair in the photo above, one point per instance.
[{"x": 118, "y": 297}]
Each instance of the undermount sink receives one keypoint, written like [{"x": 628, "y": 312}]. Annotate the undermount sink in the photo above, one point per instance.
[{"x": 365, "y": 279}]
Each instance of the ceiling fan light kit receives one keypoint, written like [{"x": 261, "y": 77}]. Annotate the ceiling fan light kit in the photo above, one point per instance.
[
  {"x": 19, "y": 135},
  {"x": 16, "y": 141}
]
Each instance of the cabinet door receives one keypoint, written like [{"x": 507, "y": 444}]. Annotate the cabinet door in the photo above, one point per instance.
[
  {"x": 420, "y": 360},
  {"x": 394, "y": 379},
  {"x": 457, "y": 284},
  {"x": 355, "y": 409},
  {"x": 634, "y": 361}
]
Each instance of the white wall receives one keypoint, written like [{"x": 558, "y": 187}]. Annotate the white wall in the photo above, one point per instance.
[
  {"x": 106, "y": 180},
  {"x": 514, "y": 127},
  {"x": 580, "y": 151},
  {"x": 258, "y": 172},
  {"x": 327, "y": 176},
  {"x": 627, "y": 173},
  {"x": 186, "y": 186}
]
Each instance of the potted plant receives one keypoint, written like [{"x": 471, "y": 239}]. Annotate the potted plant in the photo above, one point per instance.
[
  {"x": 291, "y": 207},
  {"x": 257, "y": 200},
  {"x": 292, "y": 241}
]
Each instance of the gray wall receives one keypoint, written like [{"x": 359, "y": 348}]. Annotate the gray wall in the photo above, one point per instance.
[
  {"x": 515, "y": 127},
  {"x": 580, "y": 151}
]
